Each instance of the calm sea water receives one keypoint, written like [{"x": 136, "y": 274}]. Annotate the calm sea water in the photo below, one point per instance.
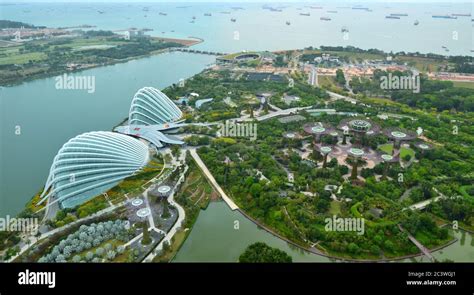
[{"x": 258, "y": 29}]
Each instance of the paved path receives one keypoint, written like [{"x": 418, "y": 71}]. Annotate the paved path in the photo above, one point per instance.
[
  {"x": 278, "y": 113},
  {"x": 212, "y": 180},
  {"x": 178, "y": 223},
  {"x": 422, "y": 205},
  {"x": 420, "y": 246},
  {"x": 336, "y": 96}
]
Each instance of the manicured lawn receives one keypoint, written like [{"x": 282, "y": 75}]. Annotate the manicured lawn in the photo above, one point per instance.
[
  {"x": 387, "y": 148},
  {"x": 335, "y": 208},
  {"x": 463, "y": 84}
]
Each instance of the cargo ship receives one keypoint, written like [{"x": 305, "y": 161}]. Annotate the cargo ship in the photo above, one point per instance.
[
  {"x": 444, "y": 16},
  {"x": 325, "y": 18},
  {"x": 392, "y": 17},
  {"x": 461, "y": 14},
  {"x": 305, "y": 14},
  {"x": 398, "y": 14}
]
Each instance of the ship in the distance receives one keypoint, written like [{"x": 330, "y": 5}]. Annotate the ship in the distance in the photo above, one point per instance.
[{"x": 444, "y": 16}]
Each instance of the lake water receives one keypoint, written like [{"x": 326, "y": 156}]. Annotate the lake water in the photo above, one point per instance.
[
  {"x": 49, "y": 117},
  {"x": 214, "y": 239}
]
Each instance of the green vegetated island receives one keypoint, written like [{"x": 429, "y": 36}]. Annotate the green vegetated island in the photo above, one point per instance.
[
  {"x": 282, "y": 179},
  {"x": 43, "y": 52}
]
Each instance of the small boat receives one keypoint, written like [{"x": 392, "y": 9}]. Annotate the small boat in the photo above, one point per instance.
[
  {"x": 207, "y": 14},
  {"x": 461, "y": 14},
  {"x": 233, "y": 20},
  {"x": 162, "y": 13},
  {"x": 344, "y": 30},
  {"x": 193, "y": 17},
  {"x": 305, "y": 14},
  {"x": 315, "y": 7},
  {"x": 325, "y": 18},
  {"x": 392, "y": 17},
  {"x": 398, "y": 14},
  {"x": 444, "y": 47},
  {"x": 288, "y": 23},
  {"x": 100, "y": 11},
  {"x": 225, "y": 12},
  {"x": 416, "y": 23},
  {"x": 332, "y": 11}
]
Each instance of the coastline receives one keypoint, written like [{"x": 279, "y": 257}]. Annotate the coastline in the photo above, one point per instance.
[{"x": 185, "y": 42}]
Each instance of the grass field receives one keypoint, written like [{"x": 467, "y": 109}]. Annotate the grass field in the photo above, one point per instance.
[
  {"x": 335, "y": 208},
  {"x": 463, "y": 84},
  {"x": 387, "y": 148}
]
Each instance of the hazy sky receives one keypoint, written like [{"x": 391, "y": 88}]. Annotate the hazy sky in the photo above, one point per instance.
[{"x": 246, "y": 1}]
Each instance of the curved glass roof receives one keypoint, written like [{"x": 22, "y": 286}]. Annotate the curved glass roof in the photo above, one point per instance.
[
  {"x": 151, "y": 106},
  {"x": 91, "y": 163}
]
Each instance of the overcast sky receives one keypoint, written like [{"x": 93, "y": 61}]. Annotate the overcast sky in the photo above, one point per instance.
[{"x": 246, "y": 1}]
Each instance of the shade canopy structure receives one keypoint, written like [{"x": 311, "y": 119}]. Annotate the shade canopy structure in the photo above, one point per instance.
[
  {"x": 358, "y": 128},
  {"x": 292, "y": 135},
  {"x": 318, "y": 129},
  {"x": 359, "y": 125},
  {"x": 424, "y": 146},
  {"x": 356, "y": 154},
  {"x": 90, "y": 164},
  {"x": 325, "y": 150},
  {"x": 399, "y": 135}
]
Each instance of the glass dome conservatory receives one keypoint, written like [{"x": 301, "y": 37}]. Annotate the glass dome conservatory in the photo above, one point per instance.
[
  {"x": 151, "y": 106},
  {"x": 91, "y": 163}
]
